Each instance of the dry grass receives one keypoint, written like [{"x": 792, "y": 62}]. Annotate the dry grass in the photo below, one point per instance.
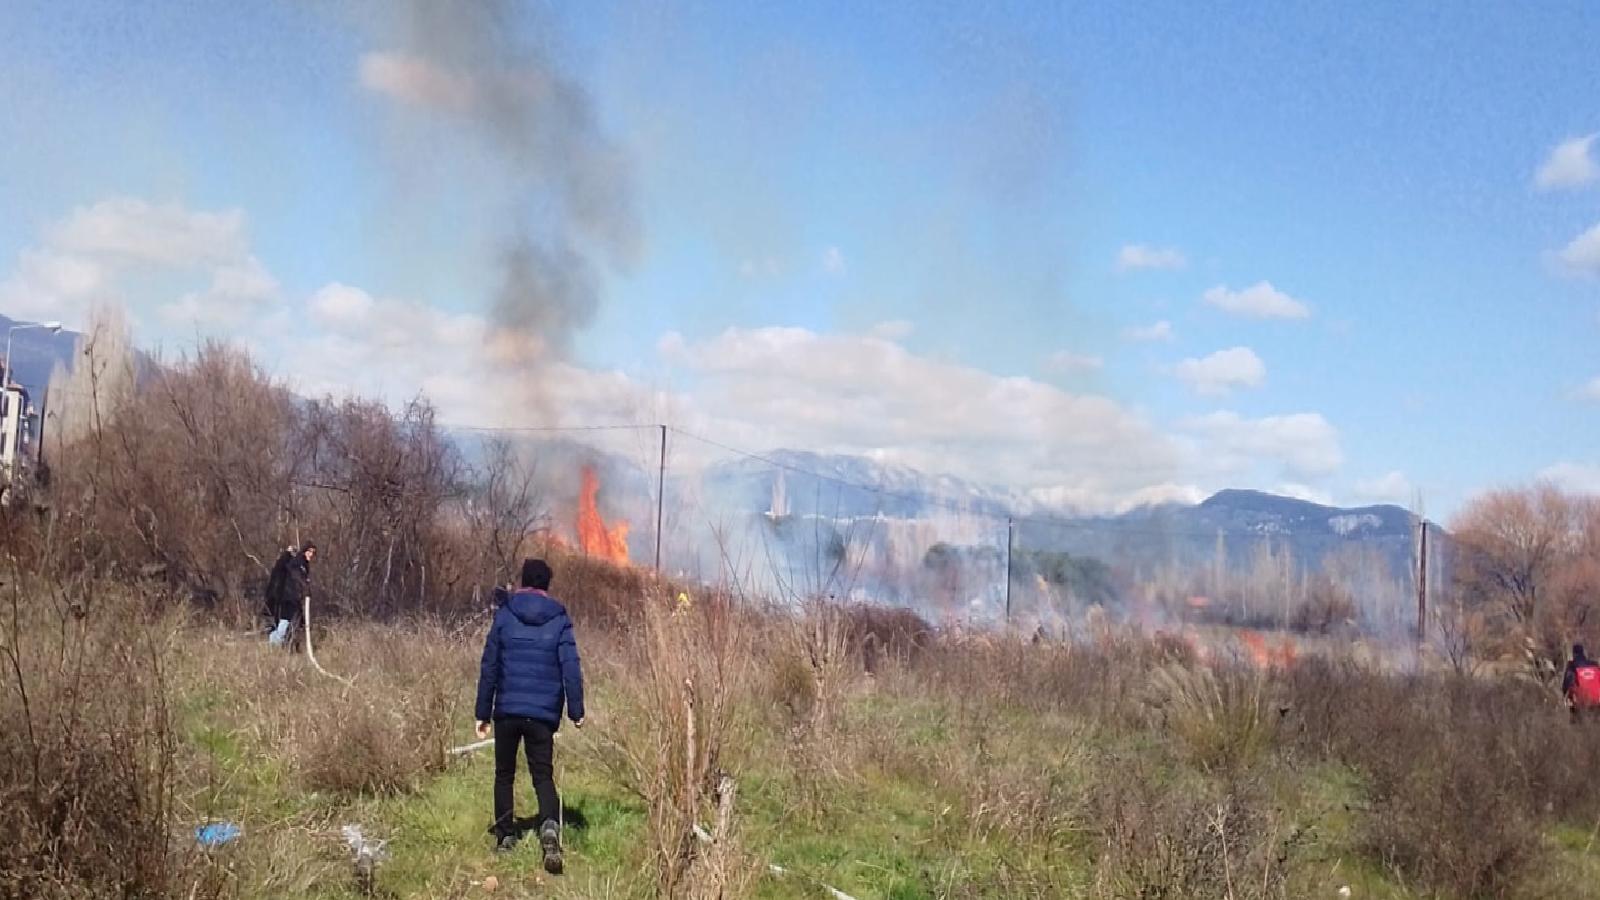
[
  {"x": 87, "y": 748},
  {"x": 1111, "y": 767},
  {"x": 684, "y": 675},
  {"x": 1226, "y": 719}
]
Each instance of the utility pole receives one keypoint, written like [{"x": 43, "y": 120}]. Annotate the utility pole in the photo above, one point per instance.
[
  {"x": 661, "y": 494},
  {"x": 1422, "y": 585},
  {"x": 1011, "y": 526},
  {"x": 38, "y": 435}
]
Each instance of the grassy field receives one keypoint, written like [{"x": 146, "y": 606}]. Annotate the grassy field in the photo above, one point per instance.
[{"x": 947, "y": 768}]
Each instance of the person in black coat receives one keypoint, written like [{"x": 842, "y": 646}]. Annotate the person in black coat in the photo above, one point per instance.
[
  {"x": 287, "y": 589},
  {"x": 529, "y": 675}
]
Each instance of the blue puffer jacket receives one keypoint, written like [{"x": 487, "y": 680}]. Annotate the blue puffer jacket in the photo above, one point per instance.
[{"x": 530, "y": 662}]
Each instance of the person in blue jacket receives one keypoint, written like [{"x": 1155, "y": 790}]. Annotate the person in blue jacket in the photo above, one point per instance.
[{"x": 530, "y": 673}]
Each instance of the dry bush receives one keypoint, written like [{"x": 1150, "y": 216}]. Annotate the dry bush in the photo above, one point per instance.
[
  {"x": 366, "y": 747},
  {"x": 381, "y": 726},
  {"x": 687, "y": 663},
  {"x": 1201, "y": 839},
  {"x": 1462, "y": 773},
  {"x": 815, "y": 663},
  {"x": 1328, "y": 605},
  {"x": 1454, "y": 829},
  {"x": 602, "y": 595},
  {"x": 1103, "y": 681},
  {"x": 393, "y": 728},
  {"x": 87, "y": 749},
  {"x": 196, "y": 472},
  {"x": 1009, "y": 784},
  {"x": 1227, "y": 720}
]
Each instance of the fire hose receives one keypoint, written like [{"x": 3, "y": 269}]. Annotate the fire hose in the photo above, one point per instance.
[{"x": 311, "y": 655}]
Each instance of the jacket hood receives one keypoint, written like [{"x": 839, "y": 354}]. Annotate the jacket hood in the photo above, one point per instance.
[{"x": 534, "y": 607}]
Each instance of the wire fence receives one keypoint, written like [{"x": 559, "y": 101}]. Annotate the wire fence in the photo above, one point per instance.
[{"x": 792, "y": 524}]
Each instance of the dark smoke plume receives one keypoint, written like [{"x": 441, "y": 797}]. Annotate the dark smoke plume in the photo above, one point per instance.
[{"x": 492, "y": 71}]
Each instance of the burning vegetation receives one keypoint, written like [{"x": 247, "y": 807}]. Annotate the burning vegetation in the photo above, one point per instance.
[{"x": 595, "y": 537}]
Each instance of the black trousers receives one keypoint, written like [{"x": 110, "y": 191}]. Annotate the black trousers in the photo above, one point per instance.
[{"x": 539, "y": 738}]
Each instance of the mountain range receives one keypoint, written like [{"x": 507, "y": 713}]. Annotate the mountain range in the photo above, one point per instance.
[{"x": 841, "y": 489}]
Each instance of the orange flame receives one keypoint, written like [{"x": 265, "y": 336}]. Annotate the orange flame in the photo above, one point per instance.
[
  {"x": 1265, "y": 656},
  {"x": 595, "y": 537}
]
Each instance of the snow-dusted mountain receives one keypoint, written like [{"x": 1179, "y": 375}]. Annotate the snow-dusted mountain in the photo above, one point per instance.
[{"x": 803, "y": 484}]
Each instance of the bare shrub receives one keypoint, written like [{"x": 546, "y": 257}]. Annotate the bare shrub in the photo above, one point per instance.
[
  {"x": 1161, "y": 838},
  {"x": 815, "y": 664},
  {"x": 688, "y": 661},
  {"x": 599, "y": 594},
  {"x": 1532, "y": 557},
  {"x": 1460, "y": 771},
  {"x": 390, "y": 728},
  {"x": 366, "y": 748},
  {"x": 87, "y": 750},
  {"x": 1327, "y": 606}
]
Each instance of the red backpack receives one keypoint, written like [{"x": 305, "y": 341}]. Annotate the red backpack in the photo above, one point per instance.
[{"x": 1586, "y": 685}]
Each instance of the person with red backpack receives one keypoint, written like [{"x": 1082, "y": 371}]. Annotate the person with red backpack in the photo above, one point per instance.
[{"x": 1580, "y": 684}]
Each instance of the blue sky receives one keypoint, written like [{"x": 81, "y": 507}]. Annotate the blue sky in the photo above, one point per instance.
[{"x": 891, "y": 229}]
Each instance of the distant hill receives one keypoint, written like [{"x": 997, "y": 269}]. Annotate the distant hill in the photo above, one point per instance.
[
  {"x": 802, "y": 484},
  {"x": 907, "y": 508},
  {"x": 36, "y": 353}
]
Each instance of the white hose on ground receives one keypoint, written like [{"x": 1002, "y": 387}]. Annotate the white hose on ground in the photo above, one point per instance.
[{"x": 312, "y": 655}]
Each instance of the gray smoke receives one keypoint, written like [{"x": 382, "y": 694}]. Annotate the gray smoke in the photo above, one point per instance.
[{"x": 490, "y": 67}]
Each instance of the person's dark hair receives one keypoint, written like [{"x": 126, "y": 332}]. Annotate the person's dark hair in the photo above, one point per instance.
[
  {"x": 309, "y": 545},
  {"x": 536, "y": 574},
  {"x": 1577, "y": 652}
]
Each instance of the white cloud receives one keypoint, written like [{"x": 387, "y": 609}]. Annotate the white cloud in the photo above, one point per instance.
[
  {"x": 1390, "y": 487},
  {"x": 866, "y": 395},
  {"x": 1159, "y": 332},
  {"x": 341, "y": 307},
  {"x": 833, "y": 261},
  {"x": 1140, "y": 256},
  {"x": 128, "y": 229},
  {"x": 1571, "y": 165},
  {"x": 418, "y": 82},
  {"x": 237, "y": 292},
  {"x": 1066, "y": 362},
  {"x": 1591, "y": 390},
  {"x": 1304, "y": 445},
  {"x": 88, "y": 256},
  {"x": 1580, "y": 477},
  {"x": 1223, "y": 371},
  {"x": 1259, "y": 301},
  {"x": 1582, "y": 255}
]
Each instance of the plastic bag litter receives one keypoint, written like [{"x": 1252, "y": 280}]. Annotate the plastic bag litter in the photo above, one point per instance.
[
  {"x": 216, "y": 834},
  {"x": 367, "y": 854},
  {"x": 279, "y": 634},
  {"x": 364, "y": 848}
]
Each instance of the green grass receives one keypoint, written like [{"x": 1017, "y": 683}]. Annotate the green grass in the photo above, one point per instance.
[{"x": 893, "y": 824}]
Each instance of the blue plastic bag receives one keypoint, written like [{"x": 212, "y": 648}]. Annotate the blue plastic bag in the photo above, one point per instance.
[{"x": 216, "y": 834}]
